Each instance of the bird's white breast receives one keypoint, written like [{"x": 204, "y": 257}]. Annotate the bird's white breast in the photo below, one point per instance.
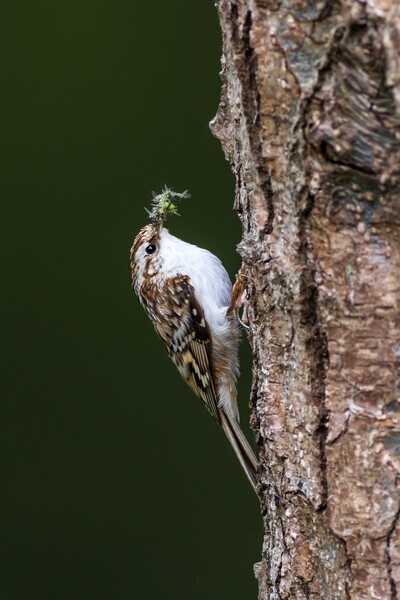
[{"x": 208, "y": 275}]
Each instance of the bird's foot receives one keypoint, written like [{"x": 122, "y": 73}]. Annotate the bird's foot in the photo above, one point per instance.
[{"x": 239, "y": 299}]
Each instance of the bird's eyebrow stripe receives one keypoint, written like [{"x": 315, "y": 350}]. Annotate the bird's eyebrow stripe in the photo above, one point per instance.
[{"x": 149, "y": 232}]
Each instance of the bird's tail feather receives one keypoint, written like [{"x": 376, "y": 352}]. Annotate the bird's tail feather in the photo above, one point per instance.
[{"x": 241, "y": 447}]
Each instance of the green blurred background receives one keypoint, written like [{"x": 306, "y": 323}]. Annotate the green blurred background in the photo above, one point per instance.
[{"x": 115, "y": 482}]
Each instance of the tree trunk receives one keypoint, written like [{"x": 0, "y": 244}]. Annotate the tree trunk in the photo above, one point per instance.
[{"x": 309, "y": 120}]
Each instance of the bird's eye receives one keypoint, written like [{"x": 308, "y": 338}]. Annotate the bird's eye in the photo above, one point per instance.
[{"x": 151, "y": 248}]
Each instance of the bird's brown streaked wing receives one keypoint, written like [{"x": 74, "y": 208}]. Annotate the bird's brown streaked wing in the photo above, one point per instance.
[{"x": 189, "y": 342}]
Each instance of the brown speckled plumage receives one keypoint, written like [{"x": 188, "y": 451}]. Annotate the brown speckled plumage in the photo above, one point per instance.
[{"x": 205, "y": 358}]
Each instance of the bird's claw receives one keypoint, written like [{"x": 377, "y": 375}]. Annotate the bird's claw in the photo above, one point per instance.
[{"x": 239, "y": 299}]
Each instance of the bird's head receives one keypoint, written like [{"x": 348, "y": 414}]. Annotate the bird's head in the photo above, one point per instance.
[{"x": 145, "y": 259}]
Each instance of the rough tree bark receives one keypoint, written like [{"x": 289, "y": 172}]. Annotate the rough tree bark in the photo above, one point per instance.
[{"x": 309, "y": 120}]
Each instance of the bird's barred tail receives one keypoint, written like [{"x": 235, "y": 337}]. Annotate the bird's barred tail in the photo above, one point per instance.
[{"x": 241, "y": 447}]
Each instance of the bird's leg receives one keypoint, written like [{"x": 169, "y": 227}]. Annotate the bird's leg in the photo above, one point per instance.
[{"x": 239, "y": 298}]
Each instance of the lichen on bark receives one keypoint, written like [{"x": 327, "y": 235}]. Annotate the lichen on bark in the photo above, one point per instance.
[{"x": 310, "y": 121}]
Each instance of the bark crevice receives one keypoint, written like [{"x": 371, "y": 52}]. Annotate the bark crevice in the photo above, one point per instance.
[{"x": 393, "y": 583}]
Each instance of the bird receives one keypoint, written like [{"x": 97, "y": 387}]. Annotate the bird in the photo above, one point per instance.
[{"x": 187, "y": 294}]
